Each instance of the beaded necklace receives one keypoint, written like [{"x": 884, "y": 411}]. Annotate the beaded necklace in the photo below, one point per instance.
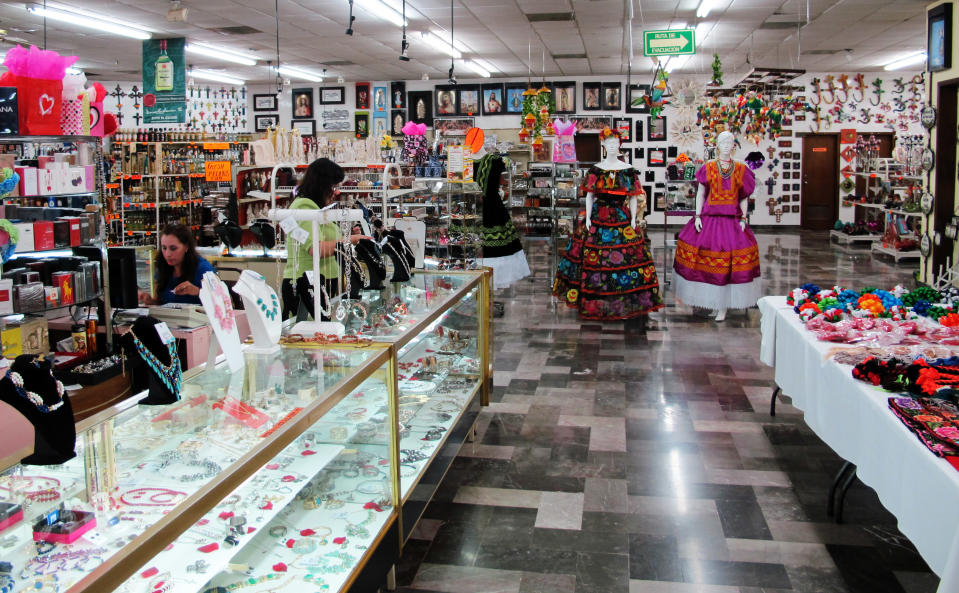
[
  {"x": 35, "y": 398},
  {"x": 725, "y": 171},
  {"x": 399, "y": 256},
  {"x": 269, "y": 311},
  {"x": 171, "y": 374}
]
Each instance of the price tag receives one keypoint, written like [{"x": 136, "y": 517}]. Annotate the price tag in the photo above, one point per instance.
[
  {"x": 217, "y": 170},
  {"x": 288, "y": 225},
  {"x": 166, "y": 336}
]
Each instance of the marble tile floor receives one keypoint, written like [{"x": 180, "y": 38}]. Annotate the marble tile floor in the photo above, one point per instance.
[{"x": 640, "y": 457}]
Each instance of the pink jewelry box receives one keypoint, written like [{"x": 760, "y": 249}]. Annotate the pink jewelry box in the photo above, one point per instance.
[
  {"x": 63, "y": 527},
  {"x": 10, "y": 514}
]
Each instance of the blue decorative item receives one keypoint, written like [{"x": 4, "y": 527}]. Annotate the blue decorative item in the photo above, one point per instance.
[{"x": 9, "y": 183}]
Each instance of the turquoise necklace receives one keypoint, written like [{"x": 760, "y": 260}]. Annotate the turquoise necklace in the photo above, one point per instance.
[
  {"x": 269, "y": 313},
  {"x": 172, "y": 374}
]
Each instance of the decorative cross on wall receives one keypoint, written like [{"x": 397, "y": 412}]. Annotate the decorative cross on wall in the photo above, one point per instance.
[
  {"x": 779, "y": 214},
  {"x": 137, "y": 117},
  {"x": 772, "y": 202},
  {"x": 118, "y": 94},
  {"x": 770, "y": 184},
  {"x": 136, "y": 95}
]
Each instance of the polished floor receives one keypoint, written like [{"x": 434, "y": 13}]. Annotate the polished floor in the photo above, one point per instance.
[{"x": 641, "y": 457}]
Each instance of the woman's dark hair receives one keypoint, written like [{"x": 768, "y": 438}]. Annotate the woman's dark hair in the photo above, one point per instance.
[
  {"x": 318, "y": 181},
  {"x": 191, "y": 259}
]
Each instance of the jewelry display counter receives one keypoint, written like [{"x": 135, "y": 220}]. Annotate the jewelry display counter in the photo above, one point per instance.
[{"x": 286, "y": 476}]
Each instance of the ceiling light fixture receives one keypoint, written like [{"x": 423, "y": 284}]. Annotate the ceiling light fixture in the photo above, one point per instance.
[
  {"x": 679, "y": 25},
  {"x": 441, "y": 44},
  {"x": 702, "y": 31},
  {"x": 301, "y": 74},
  {"x": 215, "y": 76},
  {"x": 906, "y": 61},
  {"x": 383, "y": 11},
  {"x": 220, "y": 53},
  {"x": 349, "y": 26},
  {"x": 90, "y": 21},
  {"x": 704, "y": 7},
  {"x": 404, "y": 45},
  {"x": 473, "y": 66}
]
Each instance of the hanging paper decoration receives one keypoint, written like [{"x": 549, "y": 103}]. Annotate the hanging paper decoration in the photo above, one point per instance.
[
  {"x": 659, "y": 91},
  {"x": 750, "y": 115},
  {"x": 538, "y": 108},
  {"x": 717, "y": 71}
]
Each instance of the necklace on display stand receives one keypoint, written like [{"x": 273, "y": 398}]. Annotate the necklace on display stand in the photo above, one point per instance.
[
  {"x": 215, "y": 298},
  {"x": 262, "y": 306}
]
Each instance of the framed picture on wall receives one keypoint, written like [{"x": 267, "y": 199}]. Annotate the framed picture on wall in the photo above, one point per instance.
[
  {"x": 398, "y": 95},
  {"x": 592, "y": 96},
  {"x": 656, "y": 129},
  {"x": 586, "y": 124},
  {"x": 332, "y": 95},
  {"x": 445, "y": 100},
  {"x": 625, "y": 127},
  {"x": 514, "y": 97},
  {"x": 264, "y": 102},
  {"x": 492, "y": 96},
  {"x": 305, "y": 127},
  {"x": 639, "y": 153},
  {"x": 636, "y": 99},
  {"x": 656, "y": 157},
  {"x": 362, "y": 95},
  {"x": 397, "y": 121},
  {"x": 265, "y": 121},
  {"x": 379, "y": 99},
  {"x": 564, "y": 94},
  {"x": 420, "y": 107},
  {"x": 468, "y": 99},
  {"x": 612, "y": 96},
  {"x": 453, "y": 126},
  {"x": 939, "y": 23},
  {"x": 379, "y": 125},
  {"x": 626, "y": 156},
  {"x": 302, "y": 103},
  {"x": 649, "y": 176},
  {"x": 361, "y": 124}
]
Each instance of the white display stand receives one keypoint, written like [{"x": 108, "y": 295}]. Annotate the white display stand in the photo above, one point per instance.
[
  {"x": 415, "y": 232},
  {"x": 228, "y": 340},
  {"x": 316, "y": 218},
  {"x": 252, "y": 287}
]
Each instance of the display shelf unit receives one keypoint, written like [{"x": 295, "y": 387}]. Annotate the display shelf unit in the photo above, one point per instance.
[
  {"x": 842, "y": 238},
  {"x": 676, "y": 207},
  {"x": 348, "y": 447}
]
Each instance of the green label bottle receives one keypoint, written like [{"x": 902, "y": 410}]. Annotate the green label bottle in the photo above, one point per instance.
[{"x": 164, "y": 69}]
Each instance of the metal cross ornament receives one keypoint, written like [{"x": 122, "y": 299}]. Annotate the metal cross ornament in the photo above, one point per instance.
[{"x": 770, "y": 185}]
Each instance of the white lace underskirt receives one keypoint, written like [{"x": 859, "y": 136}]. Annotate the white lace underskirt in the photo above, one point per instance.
[
  {"x": 507, "y": 269},
  {"x": 711, "y": 296}
]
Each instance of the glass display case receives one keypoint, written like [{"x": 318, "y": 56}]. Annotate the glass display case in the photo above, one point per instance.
[
  {"x": 291, "y": 475},
  {"x": 454, "y": 235}
]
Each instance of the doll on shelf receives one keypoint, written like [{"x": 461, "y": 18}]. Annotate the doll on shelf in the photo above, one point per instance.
[{"x": 607, "y": 272}]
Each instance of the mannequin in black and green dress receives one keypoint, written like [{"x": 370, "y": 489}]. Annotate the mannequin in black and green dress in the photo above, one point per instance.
[{"x": 502, "y": 249}]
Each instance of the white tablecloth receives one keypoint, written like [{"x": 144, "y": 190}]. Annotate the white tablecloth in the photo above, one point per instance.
[{"x": 854, "y": 419}]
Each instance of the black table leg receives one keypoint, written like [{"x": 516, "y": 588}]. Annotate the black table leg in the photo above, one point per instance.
[
  {"x": 772, "y": 401},
  {"x": 842, "y": 494},
  {"x": 831, "y": 500}
]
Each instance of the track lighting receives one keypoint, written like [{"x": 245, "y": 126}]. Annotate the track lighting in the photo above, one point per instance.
[{"x": 349, "y": 26}]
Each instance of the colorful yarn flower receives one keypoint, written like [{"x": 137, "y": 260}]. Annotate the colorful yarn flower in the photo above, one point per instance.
[
  {"x": 923, "y": 293},
  {"x": 812, "y": 289},
  {"x": 830, "y": 303},
  {"x": 950, "y": 320},
  {"x": 808, "y": 311},
  {"x": 797, "y": 297},
  {"x": 832, "y": 315},
  {"x": 870, "y": 305},
  {"x": 919, "y": 306}
]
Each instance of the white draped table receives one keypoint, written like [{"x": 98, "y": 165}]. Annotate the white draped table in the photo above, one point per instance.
[{"x": 854, "y": 419}]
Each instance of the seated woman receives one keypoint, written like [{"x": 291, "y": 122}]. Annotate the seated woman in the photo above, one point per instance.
[{"x": 179, "y": 268}]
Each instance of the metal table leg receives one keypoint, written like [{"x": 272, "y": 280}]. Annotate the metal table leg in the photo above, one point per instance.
[
  {"x": 831, "y": 499},
  {"x": 772, "y": 400},
  {"x": 842, "y": 494}
]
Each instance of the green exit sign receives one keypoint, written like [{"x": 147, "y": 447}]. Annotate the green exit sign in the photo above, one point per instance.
[{"x": 675, "y": 42}]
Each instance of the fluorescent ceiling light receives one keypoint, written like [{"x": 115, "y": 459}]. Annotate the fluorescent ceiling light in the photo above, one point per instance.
[
  {"x": 96, "y": 22},
  {"x": 679, "y": 25},
  {"x": 437, "y": 42},
  {"x": 702, "y": 31},
  {"x": 704, "y": 7},
  {"x": 301, "y": 74},
  {"x": 676, "y": 62},
  {"x": 220, "y": 54},
  {"x": 215, "y": 76},
  {"x": 457, "y": 44},
  {"x": 907, "y": 61},
  {"x": 472, "y": 65},
  {"x": 382, "y": 10}
]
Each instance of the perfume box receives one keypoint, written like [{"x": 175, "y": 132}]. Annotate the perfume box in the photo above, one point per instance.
[
  {"x": 12, "y": 342},
  {"x": 63, "y": 526},
  {"x": 61, "y": 233},
  {"x": 10, "y": 514},
  {"x": 25, "y": 243},
  {"x": 43, "y": 235},
  {"x": 28, "y": 181},
  {"x": 35, "y": 335},
  {"x": 76, "y": 234},
  {"x": 29, "y": 297},
  {"x": 6, "y": 296},
  {"x": 77, "y": 178},
  {"x": 63, "y": 281}
]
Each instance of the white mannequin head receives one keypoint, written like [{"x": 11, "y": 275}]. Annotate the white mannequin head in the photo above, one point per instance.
[{"x": 725, "y": 143}]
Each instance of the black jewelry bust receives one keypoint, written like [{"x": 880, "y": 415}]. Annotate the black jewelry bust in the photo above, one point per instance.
[
  {"x": 141, "y": 375},
  {"x": 55, "y": 435},
  {"x": 369, "y": 253},
  {"x": 399, "y": 251}
]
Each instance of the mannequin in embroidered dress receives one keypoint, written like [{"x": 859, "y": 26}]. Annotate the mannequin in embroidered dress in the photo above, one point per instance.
[
  {"x": 607, "y": 271},
  {"x": 717, "y": 259}
]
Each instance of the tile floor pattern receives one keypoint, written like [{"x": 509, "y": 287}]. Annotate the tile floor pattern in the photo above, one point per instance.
[{"x": 625, "y": 457}]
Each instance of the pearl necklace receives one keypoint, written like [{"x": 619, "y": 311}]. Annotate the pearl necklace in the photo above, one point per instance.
[
  {"x": 399, "y": 256},
  {"x": 171, "y": 374},
  {"x": 34, "y": 398}
]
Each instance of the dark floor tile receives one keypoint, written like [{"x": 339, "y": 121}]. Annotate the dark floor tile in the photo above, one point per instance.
[
  {"x": 455, "y": 543},
  {"x": 742, "y": 519},
  {"x": 507, "y": 556},
  {"x": 742, "y": 574},
  {"x": 414, "y": 551},
  {"x": 578, "y": 541},
  {"x": 863, "y": 570},
  {"x": 602, "y": 572},
  {"x": 654, "y": 558}
]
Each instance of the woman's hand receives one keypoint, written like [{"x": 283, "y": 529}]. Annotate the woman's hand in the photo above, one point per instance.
[
  {"x": 354, "y": 239},
  {"x": 145, "y": 298},
  {"x": 186, "y": 288}
]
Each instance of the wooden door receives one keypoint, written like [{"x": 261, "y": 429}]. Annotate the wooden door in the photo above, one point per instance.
[
  {"x": 944, "y": 175},
  {"x": 820, "y": 181}
]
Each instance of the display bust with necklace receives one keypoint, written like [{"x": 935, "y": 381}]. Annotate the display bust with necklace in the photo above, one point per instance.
[
  {"x": 717, "y": 259},
  {"x": 262, "y": 308},
  {"x": 32, "y": 390},
  {"x": 154, "y": 364}
]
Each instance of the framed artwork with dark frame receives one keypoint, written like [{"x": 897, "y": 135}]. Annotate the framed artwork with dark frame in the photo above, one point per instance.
[
  {"x": 264, "y": 102},
  {"x": 514, "y": 97},
  {"x": 656, "y": 129},
  {"x": 564, "y": 94},
  {"x": 591, "y": 124},
  {"x": 657, "y": 199},
  {"x": 397, "y": 121},
  {"x": 380, "y": 101},
  {"x": 302, "y": 100},
  {"x": 626, "y": 156},
  {"x": 468, "y": 99},
  {"x": 637, "y": 93},
  {"x": 939, "y": 41},
  {"x": 638, "y": 127},
  {"x": 656, "y": 157},
  {"x": 361, "y": 124},
  {"x": 612, "y": 96},
  {"x": 592, "y": 96},
  {"x": 639, "y": 153},
  {"x": 398, "y": 95},
  {"x": 332, "y": 95},
  {"x": 305, "y": 127},
  {"x": 453, "y": 126},
  {"x": 264, "y": 121},
  {"x": 492, "y": 97},
  {"x": 445, "y": 100},
  {"x": 625, "y": 127},
  {"x": 420, "y": 107},
  {"x": 362, "y": 96}
]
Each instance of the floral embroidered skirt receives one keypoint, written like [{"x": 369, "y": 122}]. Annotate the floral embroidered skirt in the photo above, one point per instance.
[{"x": 607, "y": 273}]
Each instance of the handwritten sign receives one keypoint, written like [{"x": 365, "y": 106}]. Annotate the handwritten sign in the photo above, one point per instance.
[
  {"x": 216, "y": 146},
  {"x": 217, "y": 170}
]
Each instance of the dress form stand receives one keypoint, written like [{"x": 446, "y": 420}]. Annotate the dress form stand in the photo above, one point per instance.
[
  {"x": 288, "y": 219},
  {"x": 611, "y": 162},
  {"x": 263, "y": 311}
]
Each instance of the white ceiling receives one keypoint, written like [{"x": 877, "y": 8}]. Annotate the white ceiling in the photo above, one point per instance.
[{"x": 866, "y": 34}]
